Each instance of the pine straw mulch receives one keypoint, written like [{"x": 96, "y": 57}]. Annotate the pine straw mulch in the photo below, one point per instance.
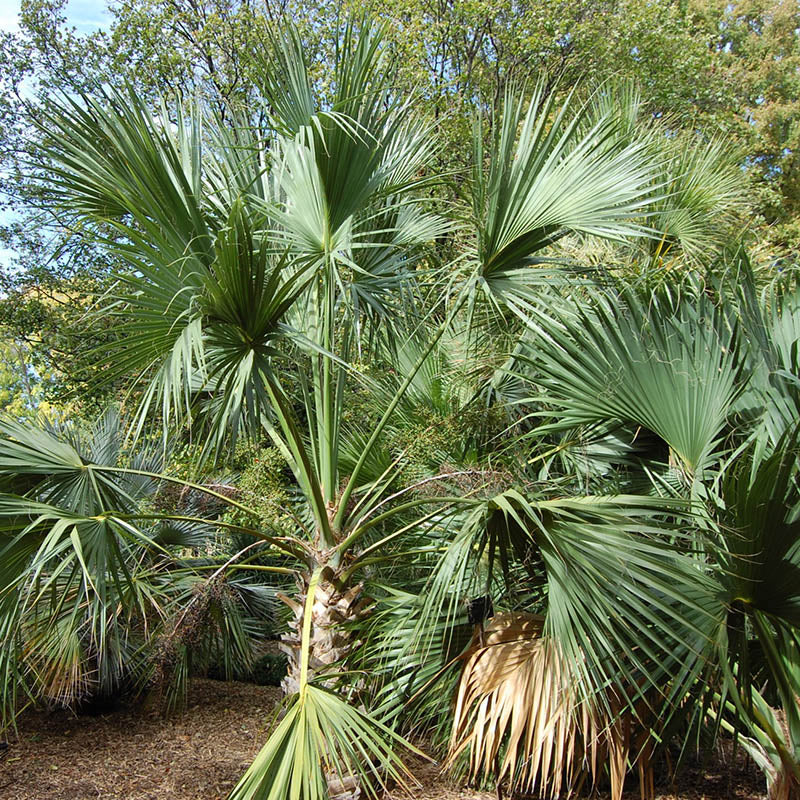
[{"x": 137, "y": 755}]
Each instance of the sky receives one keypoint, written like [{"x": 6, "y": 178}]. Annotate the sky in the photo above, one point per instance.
[{"x": 85, "y": 16}]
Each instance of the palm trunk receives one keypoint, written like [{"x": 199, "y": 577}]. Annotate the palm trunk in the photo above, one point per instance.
[{"x": 330, "y": 640}]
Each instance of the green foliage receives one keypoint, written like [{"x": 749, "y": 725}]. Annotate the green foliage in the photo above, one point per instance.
[
  {"x": 458, "y": 399},
  {"x": 665, "y": 363},
  {"x": 320, "y": 736},
  {"x": 723, "y": 70},
  {"x": 23, "y": 388},
  {"x": 264, "y": 482},
  {"x": 267, "y": 670},
  {"x": 99, "y": 601}
]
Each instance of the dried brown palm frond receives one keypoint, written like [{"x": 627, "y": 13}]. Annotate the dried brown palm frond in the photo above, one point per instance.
[{"x": 522, "y": 717}]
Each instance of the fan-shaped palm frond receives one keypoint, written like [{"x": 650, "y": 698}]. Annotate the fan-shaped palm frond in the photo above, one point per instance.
[
  {"x": 702, "y": 197},
  {"x": 668, "y": 363},
  {"x": 759, "y": 559},
  {"x": 770, "y": 321},
  {"x": 89, "y": 587},
  {"x": 649, "y": 628},
  {"x": 72, "y": 582},
  {"x": 324, "y": 746},
  {"x": 549, "y": 173}
]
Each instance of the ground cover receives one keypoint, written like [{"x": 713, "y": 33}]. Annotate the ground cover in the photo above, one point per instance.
[{"x": 199, "y": 755}]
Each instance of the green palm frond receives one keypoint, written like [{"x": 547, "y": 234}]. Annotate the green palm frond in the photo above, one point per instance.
[
  {"x": 772, "y": 323},
  {"x": 703, "y": 196},
  {"x": 551, "y": 173},
  {"x": 323, "y": 742},
  {"x": 75, "y": 581},
  {"x": 55, "y": 460},
  {"x": 338, "y": 157},
  {"x": 761, "y": 514},
  {"x": 391, "y": 250},
  {"x": 668, "y": 363},
  {"x": 652, "y": 625},
  {"x": 759, "y": 564},
  {"x": 649, "y": 626},
  {"x": 114, "y": 162}
]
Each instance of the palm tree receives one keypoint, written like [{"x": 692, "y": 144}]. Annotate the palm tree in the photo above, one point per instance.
[
  {"x": 621, "y": 615},
  {"x": 260, "y": 262},
  {"x": 70, "y": 628},
  {"x": 98, "y": 591},
  {"x": 710, "y": 373}
]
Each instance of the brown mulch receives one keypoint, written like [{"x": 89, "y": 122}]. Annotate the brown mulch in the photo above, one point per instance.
[
  {"x": 732, "y": 778},
  {"x": 134, "y": 756},
  {"x": 200, "y": 755}
]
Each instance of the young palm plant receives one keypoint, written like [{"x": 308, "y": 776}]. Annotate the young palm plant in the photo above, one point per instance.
[
  {"x": 100, "y": 593},
  {"x": 75, "y": 584},
  {"x": 712, "y": 380},
  {"x": 259, "y": 263}
]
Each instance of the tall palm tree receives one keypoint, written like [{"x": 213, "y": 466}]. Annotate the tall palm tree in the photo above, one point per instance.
[{"x": 259, "y": 263}]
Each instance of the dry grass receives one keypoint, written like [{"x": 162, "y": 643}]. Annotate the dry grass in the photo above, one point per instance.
[{"x": 130, "y": 755}]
